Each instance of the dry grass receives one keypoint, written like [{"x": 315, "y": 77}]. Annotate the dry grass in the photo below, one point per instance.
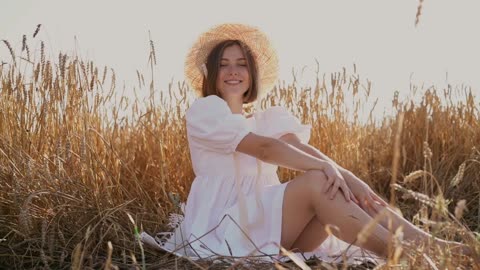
[
  {"x": 419, "y": 12},
  {"x": 77, "y": 159}
]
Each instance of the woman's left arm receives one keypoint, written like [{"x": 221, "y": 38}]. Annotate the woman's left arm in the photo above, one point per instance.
[{"x": 364, "y": 195}]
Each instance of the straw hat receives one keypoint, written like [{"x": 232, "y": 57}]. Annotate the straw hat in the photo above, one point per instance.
[{"x": 264, "y": 54}]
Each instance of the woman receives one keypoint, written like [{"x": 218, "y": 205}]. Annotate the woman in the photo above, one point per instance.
[{"x": 237, "y": 206}]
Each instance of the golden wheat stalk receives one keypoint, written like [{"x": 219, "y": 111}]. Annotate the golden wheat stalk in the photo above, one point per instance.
[
  {"x": 36, "y": 30},
  {"x": 10, "y": 49}
]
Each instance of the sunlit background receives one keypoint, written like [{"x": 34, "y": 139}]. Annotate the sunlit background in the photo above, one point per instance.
[
  {"x": 378, "y": 36},
  {"x": 84, "y": 167}
]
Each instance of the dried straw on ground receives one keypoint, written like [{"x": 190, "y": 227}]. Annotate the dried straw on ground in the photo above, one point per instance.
[{"x": 77, "y": 156}]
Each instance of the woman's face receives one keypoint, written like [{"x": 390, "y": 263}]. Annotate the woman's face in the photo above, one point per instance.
[{"x": 233, "y": 79}]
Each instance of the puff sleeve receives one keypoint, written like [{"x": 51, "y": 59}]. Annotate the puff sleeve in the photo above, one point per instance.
[
  {"x": 278, "y": 121},
  {"x": 211, "y": 125}
]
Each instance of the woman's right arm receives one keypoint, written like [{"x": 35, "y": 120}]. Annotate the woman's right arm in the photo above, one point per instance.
[
  {"x": 274, "y": 151},
  {"x": 280, "y": 153}
]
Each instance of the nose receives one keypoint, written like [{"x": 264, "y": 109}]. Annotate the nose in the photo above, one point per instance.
[{"x": 233, "y": 71}]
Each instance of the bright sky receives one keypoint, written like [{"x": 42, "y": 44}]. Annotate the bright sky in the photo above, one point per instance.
[{"x": 379, "y": 36}]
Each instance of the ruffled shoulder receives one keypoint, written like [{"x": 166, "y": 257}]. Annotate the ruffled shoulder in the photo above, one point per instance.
[
  {"x": 278, "y": 121},
  {"x": 207, "y": 106},
  {"x": 212, "y": 125}
]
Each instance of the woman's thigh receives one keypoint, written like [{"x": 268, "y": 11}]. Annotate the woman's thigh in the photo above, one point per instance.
[
  {"x": 298, "y": 210},
  {"x": 311, "y": 237}
]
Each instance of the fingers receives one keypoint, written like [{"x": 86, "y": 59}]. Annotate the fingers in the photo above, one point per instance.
[
  {"x": 352, "y": 196},
  {"x": 346, "y": 192},
  {"x": 374, "y": 197},
  {"x": 363, "y": 203},
  {"x": 339, "y": 184},
  {"x": 334, "y": 190},
  {"x": 330, "y": 181},
  {"x": 369, "y": 209},
  {"x": 376, "y": 207},
  {"x": 374, "y": 204},
  {"x": 371, "y": 204},
  {"x": 380, "y": 200}
]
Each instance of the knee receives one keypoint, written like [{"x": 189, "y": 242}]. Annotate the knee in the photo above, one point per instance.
[
  {"x": 316, "y": 180},
  {"x": 315, "y": 176}
]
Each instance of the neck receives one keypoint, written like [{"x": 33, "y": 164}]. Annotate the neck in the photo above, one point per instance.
[{"x": 235, "y": 106}]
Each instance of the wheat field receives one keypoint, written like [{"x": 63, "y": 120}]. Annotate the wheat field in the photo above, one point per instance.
[{"x": 84, "y": 168}]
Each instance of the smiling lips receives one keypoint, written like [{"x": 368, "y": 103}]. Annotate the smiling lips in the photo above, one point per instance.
[{"x": 233, "y": 82}]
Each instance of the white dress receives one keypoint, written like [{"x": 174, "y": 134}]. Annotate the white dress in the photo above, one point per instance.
[{"x": 227, "y": 180}]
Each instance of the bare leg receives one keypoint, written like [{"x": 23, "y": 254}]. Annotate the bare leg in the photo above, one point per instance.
[
  {"x": 311, "y": 237},
  {"x": 304, "y": 200},
  {"x": 410, "y": 231}
]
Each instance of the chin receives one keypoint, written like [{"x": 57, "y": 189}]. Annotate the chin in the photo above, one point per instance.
[{"x": 236, "y": 92}]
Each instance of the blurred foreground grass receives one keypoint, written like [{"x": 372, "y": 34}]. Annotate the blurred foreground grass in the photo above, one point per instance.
[{"x": 76, "y": 158}]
